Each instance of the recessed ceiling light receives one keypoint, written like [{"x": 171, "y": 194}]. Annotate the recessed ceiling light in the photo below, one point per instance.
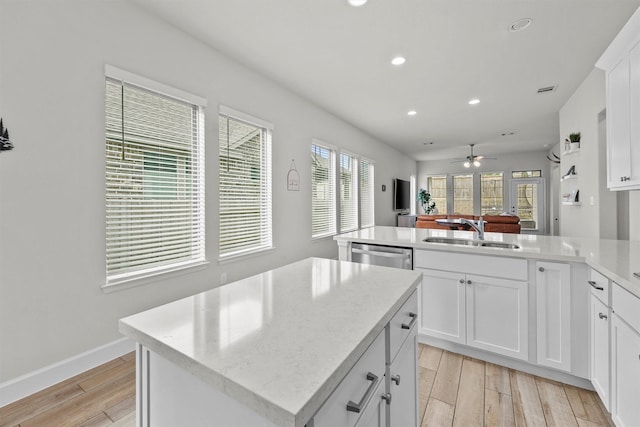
[
  {"x": 412, "y": 113},
  {"x": 398, "y": 60},
  {"x": 474, "y": 101},
  {"x": 520, "y": 24},
  {"x": 357, "y": 3}
]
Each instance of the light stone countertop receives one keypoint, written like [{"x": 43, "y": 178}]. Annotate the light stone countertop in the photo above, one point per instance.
[
  {"x": 616, "y": 259},
  {"x": 280, "y": 341}
]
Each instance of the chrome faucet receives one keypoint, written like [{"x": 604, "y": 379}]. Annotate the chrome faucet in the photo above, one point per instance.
[{"x": 476, "y": 225}]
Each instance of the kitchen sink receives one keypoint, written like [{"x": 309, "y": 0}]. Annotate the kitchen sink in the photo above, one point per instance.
[{"x": 470, "y": 242}]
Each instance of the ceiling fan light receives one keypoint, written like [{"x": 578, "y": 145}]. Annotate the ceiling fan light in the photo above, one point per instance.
[
  {"x": 476, "y": 163},
  {"x": 466, "y": 164}
]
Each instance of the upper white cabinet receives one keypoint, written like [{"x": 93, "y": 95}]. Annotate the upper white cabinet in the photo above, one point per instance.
[{"x": 621, "y": 61}]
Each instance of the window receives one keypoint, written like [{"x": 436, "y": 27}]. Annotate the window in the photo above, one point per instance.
[
  {"x": 437, "y": 187},
  {"x": 491, "y": 193},
  {"x": 323, "y": 191},
  {"x": 245, "y": 184},
  {"x": 463, "y": 194},
  {"x": 154, "y": 168},
  {"x": 526, "y": 174},
  {"x": 367, "y": 207},
  {"x": 348, "y": 193}
]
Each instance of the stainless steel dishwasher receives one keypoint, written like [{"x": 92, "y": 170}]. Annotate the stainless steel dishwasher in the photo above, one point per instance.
[{"x": 388, "y": 256}]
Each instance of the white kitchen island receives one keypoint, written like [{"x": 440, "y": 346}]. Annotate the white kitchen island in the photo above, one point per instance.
[{"x": 275, "y": 349}]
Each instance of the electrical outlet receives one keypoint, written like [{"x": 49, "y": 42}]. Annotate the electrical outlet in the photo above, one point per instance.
[{"x": 223, "y": 278}]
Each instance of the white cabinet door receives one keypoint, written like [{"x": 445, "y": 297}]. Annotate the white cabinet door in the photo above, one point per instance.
[
  {"x": 497, "y": 315},
  {"x": 625, "y": 374},
  {"x": 618, "y": 124},
  {"x": 443, "y": 305},
  {"x": 553, "y": 302},
  {"x": 403, "y": 384},
  {"x": 599, "y": 326},
  {"x": 634, "y": 118},
  {"x": 376, "y": 413}
]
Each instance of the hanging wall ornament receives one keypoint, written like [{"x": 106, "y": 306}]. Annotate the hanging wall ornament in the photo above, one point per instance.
[
  {"x": 293, "y": 178},
  {"x": 5, "y": 143}
]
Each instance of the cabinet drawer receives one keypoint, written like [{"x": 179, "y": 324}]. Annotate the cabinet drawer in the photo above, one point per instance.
[
  {"x": 401, "y": 325},
  {"x": 626, "y": 306},
  {"x": 599, "y": 286},
  {"x": 483, "y": 265},
  {"x": 357, "y": 387}
]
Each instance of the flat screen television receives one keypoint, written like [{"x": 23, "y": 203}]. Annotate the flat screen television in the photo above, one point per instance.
[{"x": 401, "y": 195}]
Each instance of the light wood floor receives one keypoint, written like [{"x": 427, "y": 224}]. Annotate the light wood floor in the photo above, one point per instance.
[
  {"x": 454, "y": 391},
  {"x": 460, "y": 391}
]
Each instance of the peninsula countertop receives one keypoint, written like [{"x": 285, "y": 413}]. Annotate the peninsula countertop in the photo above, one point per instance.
[
  {"x": 616, "y": 259},
  {"x": 281, "y": 341}
]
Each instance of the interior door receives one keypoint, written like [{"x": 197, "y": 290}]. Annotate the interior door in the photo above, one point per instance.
[{"x": 528, "y": 202}]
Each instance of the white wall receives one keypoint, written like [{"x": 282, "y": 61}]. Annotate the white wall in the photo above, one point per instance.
[
  {"x": 582, "y": 113},
  {"x": 634, "y": 208},
  {"x": 506, "y": 163},
  {"x": 52, "y": 220}
]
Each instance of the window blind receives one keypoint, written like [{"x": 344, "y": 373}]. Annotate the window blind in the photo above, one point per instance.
[
  {"x": 154, "y": 182},
  {"x": 323, "y": 191},
  {"x": 491, "y": 193},
  {"x": 437, "y": 187},
  {"x": 463, "y": 194},
  {"x": 245, "y": 186},
  {"x": 348, "y": 193},
  {"x": 367, "y": 206}
]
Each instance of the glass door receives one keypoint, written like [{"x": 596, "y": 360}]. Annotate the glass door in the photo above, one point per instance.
[{"x": 527, "y": 201}]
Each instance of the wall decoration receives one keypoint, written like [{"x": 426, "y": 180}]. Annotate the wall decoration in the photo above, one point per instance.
[
  {"x": 5, "y": 143},
  {"x": 293, "y": 178}
]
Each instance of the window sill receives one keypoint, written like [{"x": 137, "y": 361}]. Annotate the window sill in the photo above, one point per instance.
[
  {"x": 136, "y": 280},
  {"x": 323, "y": 237},
  {"x": 248, "y": 254}
]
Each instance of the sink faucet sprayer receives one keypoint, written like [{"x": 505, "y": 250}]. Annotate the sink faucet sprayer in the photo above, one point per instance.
[{"x": 476, "y": 225}]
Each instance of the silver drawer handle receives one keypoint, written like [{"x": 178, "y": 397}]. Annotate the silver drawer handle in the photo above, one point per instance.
[
  {"x": 387, "y": 397},
  {"x": 602, "y": 316},
  {"x": 594, "y": 285},
  {"x": 413, "y": 316},
  {"x": 396, "y": 379},
  {"x": 357, "y": 407},
  {"x": 381, "y": 254},
  {"x": 541, "y": 269}
]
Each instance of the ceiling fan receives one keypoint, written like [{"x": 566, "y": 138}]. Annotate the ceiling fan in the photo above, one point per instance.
[{"x": 472, "y": 159}]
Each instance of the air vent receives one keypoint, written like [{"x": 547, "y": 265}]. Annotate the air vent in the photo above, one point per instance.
[{"x": 547, "y": 89}]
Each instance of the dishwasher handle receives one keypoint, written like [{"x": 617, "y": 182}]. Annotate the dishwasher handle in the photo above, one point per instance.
[{"x": 381, "y": 254}]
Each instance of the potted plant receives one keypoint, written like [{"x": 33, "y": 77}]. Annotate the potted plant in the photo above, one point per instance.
[
  {"x": 575, "y": 139},
  {"x": 424, "y": 198}
]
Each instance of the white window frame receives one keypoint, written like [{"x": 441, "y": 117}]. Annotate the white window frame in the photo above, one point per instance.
[
  {"x": 128, "y": 277},
  {"x": 266, "y": 197},
  {"x": 355, "y": 190},
  {"x": 371, "y": 208},
  {"x": 333, "y": 183}
]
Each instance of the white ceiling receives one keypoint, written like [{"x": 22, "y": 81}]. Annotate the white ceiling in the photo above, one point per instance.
[{"x": 339, "y": 57}]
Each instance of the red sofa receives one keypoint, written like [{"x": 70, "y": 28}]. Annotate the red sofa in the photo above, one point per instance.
[{"x": 493, "y": 224}]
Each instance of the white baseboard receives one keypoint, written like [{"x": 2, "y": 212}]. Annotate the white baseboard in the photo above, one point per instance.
[{"x": 30, "y": 383}]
